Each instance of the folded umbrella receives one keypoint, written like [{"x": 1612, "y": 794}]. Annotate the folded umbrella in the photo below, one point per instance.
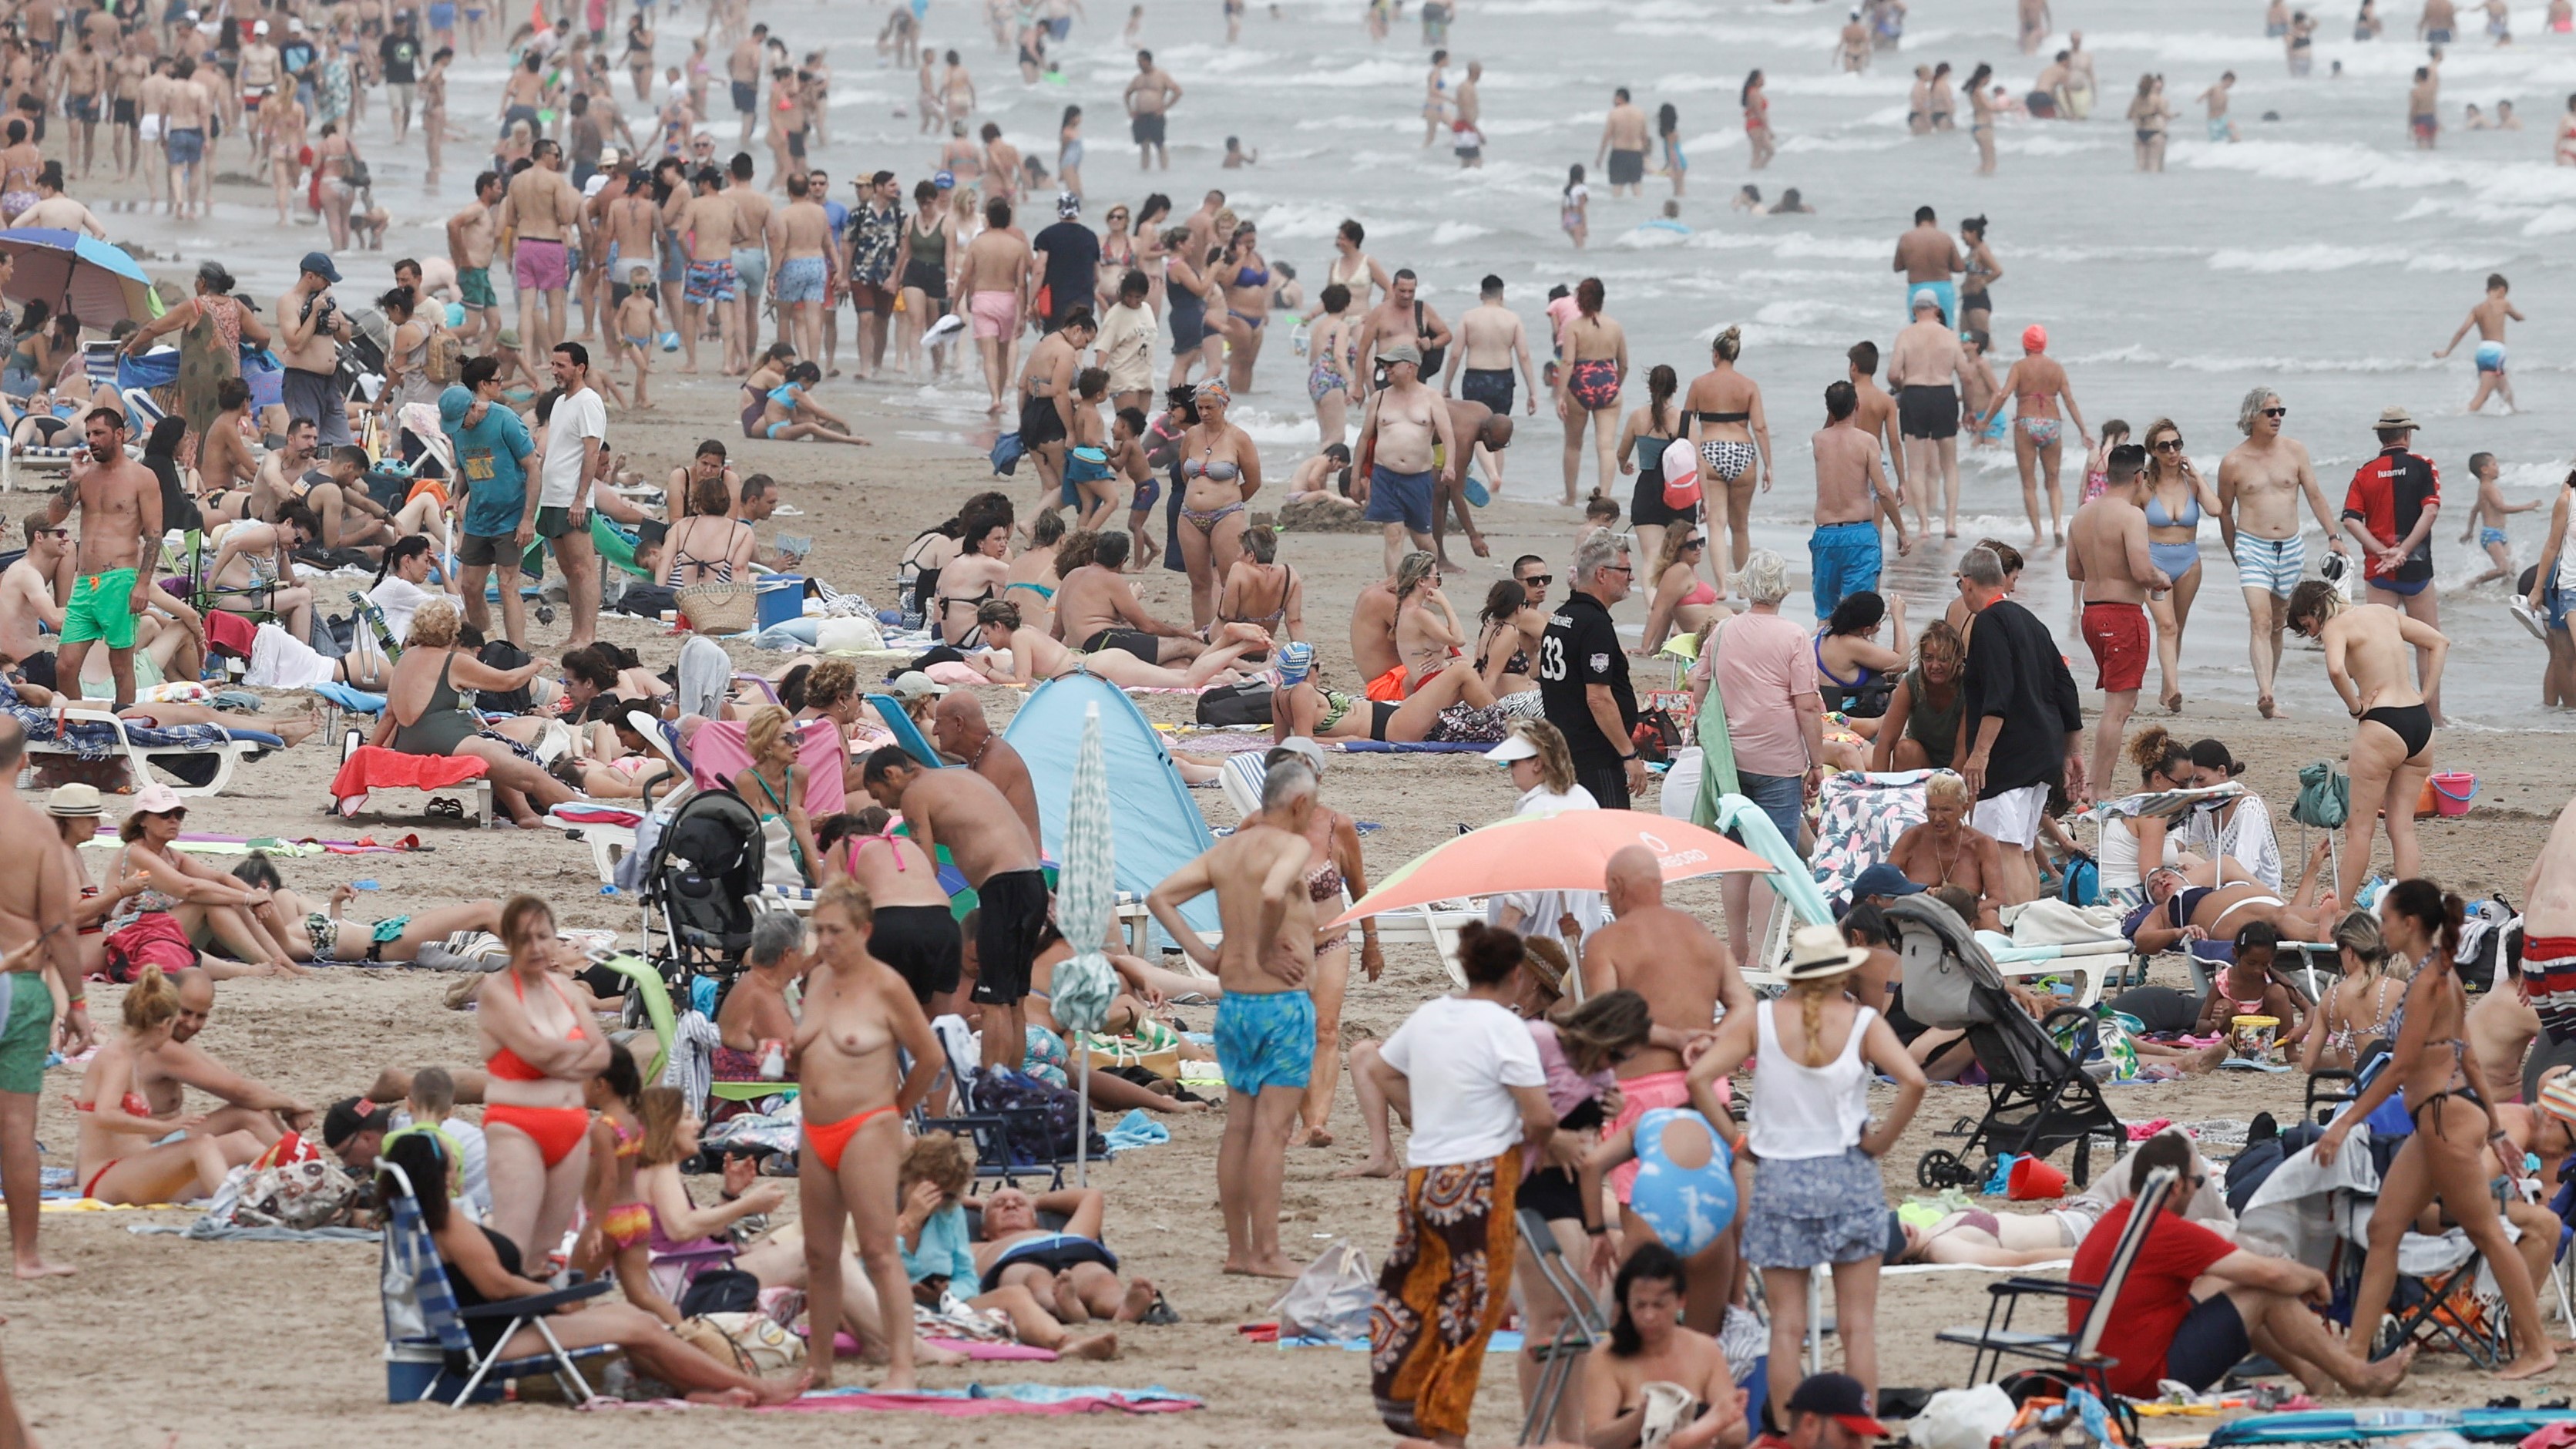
[{"x": 1566, "y": 852}]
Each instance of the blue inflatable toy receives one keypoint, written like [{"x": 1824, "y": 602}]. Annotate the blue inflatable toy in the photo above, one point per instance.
[{"x": 1686, "y": 1206}]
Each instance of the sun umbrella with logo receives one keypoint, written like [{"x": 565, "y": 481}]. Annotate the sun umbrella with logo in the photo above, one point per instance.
[
  {"x": 1086, "y": 894},
  {"x": 1565, "y": 852}
]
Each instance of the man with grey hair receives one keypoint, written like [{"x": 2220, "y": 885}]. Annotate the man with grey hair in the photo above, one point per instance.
[
  {"x": 1583, "y": 674},
  {"x": 773, "y": 935},
  {"x": 2025, "y": 719},
  {"x": 2259, "y": 483},
  {"x": 1265, "y": 1023}
]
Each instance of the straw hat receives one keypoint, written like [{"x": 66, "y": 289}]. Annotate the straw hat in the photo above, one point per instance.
[
  {"x": 1816, "y": 952},
  {"x": 69, "y": 801}
]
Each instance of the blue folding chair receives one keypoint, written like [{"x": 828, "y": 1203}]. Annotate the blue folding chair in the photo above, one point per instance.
[{"x": 423, "y": 1322}]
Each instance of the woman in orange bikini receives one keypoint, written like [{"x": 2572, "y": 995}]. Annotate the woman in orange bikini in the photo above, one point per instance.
[
  {"x": 857, "y": 1011},
  {"x": 114, "y": 1164},
  {"x": 538, "y": 1051},
  {"x": 621, "y": 1225}
]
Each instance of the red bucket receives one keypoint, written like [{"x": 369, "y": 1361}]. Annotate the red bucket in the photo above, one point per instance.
[{"x": 2453, "y": 790}]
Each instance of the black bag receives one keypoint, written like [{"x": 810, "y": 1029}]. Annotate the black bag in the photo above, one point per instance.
[
  {"x": 648, "y": 601},
  {"x": 1235, "y": 704},
  {"x": 721, "y": 1290},
  {"x": 502, "y": 654},
  {"x": 1657, "y": 735}
]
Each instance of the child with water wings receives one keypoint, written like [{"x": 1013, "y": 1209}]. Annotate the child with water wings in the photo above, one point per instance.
[
  {"x": 620, "y": 1228},
  {"x": 2487, "y": 515},
  {"x": 636, "y": 326}
]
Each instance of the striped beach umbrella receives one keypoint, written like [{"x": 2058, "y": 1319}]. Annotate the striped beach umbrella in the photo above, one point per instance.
[{"x": 1086, "y": 894}]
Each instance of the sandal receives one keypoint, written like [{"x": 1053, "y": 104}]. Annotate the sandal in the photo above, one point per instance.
[
  {"x": 445, "y": 809},
  {"x": 1162, "y": 1312}
]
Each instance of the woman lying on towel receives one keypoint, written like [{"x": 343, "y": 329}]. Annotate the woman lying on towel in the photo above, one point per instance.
[
  {"x": 613, "y": 762},
  {"x": 34, "y": 702},
  {"x": 1992, "y": 1239},
  {"x": 1035, "y": 657},
  {"x": 939, "y": 1257},
  {"x": 485, "y": 1267},
  {"x": 425, "y": 714},
  {"x": 121, "y": 1157},
  {"x": 315, "y": 930},
  {"x": 1456, "y": 704},
  {"x": 211, "y": 908},
  {"x": 1128, "y": 1027}
]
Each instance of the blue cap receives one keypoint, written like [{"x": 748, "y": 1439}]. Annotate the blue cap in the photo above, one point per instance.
[
  {"x": 944, "y": 180},
  {"x": 454, "y": 403},
  {"x": 319, "y": 263},
  {"x": 1883, "y": 879},
  {"x": 1295, "y": 661}
]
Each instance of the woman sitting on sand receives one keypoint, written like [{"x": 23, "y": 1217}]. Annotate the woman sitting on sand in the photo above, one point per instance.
[
  {"x": 939, "y": 1256},
  {"x": 425, "y": 713},
  {"x": 1654, "y": 1368},
  {"x": 1036, "y": 658},
  {"x": 1682, "y": 602},
  {"x": 75, "y": 811},
  {"x": 2362, "y": 1007},
  {"x": 121, "y": 1158},
  {"x": 485, "y": 1267},
  {"x": 212, "y": 908}
]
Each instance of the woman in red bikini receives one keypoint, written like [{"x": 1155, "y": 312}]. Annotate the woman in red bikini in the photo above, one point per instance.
[
  {"x": 538, "y": 1051},
  {"x": 121, "y": 1157},
  {"x": 857, "y": 1011}
]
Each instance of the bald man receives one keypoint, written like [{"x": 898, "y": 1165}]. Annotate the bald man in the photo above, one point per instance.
[
  {"x": 962, "y": 733},
  {"x": 1685, "y": 974},
  {"x": 163, "y": 1074}
]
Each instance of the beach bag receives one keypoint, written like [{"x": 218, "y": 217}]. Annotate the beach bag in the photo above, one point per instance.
[
  {"x": 1043, "y": 1118},
  {"x": 1006, "y": 455},
  {"x": 300, "y": 1195},
  {"x": 444, "y": 360},
  {"x": 1332, "y": 1299},
  {"x": 747, "y": 1343},
  {"x": 155, "y": 939},
  {"x": 502, "y": 654},
  {"x": 1235, "y": 704},
  {"x": 1963, "y": 1418},
  {"x": 2325, "y": 796},
  {"x": 1656, "y": 736},
  {"x": 713, "y": 608},
  {"x": 2081, "y": 885},
  {"x": 1681, "y": 475}
]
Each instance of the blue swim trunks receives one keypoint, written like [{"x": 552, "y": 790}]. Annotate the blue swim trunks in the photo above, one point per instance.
[
  {"x": 2490, "y": 357},
  {"x": 1400, "y": 498},
  {"x": 2489, "y": 537},
  {"x": 1266, "y": 1040},
  {"x": 801, "y": 279},
  {"x": 1947, "y": 292},
  {"x": 1843, "y": 559}
]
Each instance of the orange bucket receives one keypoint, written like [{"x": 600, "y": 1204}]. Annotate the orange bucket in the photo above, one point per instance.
[
  {"x": 2452, "y": 791},
  {"x": 2033, "y": 1180}
]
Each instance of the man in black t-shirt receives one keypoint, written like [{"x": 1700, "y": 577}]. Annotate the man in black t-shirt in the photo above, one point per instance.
[
  {"x": 1070, "y": 254},
  {"x": 2024, "y": 719},
  {"x": 1583, "y": 675},
  {"x": 399, "y": 53}
]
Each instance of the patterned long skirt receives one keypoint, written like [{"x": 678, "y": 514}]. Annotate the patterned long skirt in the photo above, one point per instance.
[{"x": 1445, "y": 1286}]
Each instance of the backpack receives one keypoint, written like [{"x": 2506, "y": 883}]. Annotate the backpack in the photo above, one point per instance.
[
  {"x": 2082, "y": 883},
  {"x": 1042, "y": 1117},
  {"x": 1236, "y": 704},
  {"x": 502, "y": 654},
  {"x": 444, "y": 360}
]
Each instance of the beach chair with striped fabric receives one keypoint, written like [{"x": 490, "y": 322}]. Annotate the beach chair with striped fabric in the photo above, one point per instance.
[{"x": 424, "y": 1325}]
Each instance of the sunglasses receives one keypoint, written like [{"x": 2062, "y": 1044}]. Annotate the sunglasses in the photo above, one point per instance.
[
  {"x": 1696, "y": 543},
  {"x": 1542, "y": 580},
  {"x": 2170, "y": 445},
  {"x": 2276, "y": 412}
]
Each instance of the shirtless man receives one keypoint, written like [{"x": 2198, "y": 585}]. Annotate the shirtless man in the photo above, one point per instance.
[
  {"x": 542, "y": 212},
  {"x": 2222, "y": 127},
  {"x": 53, "y": 209},
  {"x": 995, "y": 280},
  {"x": 1685, "y": 974},
  {"x": 84, "y": 73},
  {"x": 1150, "y": 97},
  {"x": 2423, "y": 99},
  {"x": 1928, "y": 368},
  {"x": 958, "y": 727},
  {"x": 224, "y": 461},
  {"x": 1487, "y": 433},
  {"x": 1404, "y": 433},
  {"x": 2435, "y": 25},
  {"x": 2548, "y": 979},
  {"x": 2047, "y": 98},
  {"x": 470, "y": 242},
  {"x": 150, "y": 98},
  {"x": 2259, "y": 484},
  {"x": 1624, "y": 139},
  {"x": 1373, "y": 652},
  {"x": 2034, "y": 25},
  {"x": 742, "y": 72},
  {"x": 1265, "y": 1026},
  {"x": 277, "y": 481},
  {"x": 120, "y": 537},
  {"x": 1491, "y": 340},
  {"x": 808, "y": 274},
  {"x": 704, "y": 221},
  {"x": 1002, "y": 174},
  {"x": 751, "y": 257},
  {"x": 1929, "y": 258},
  {"x": 1096, "y": 608},
  {"x": 163, "y": 1075},
  {"x": 2489, "y": 317},
  {"x": 2107, "y": 557},
  {"x": 185, "y": 106},
  {"x": 999, "y": 857},
  {"x": 2366, "y": 648},
  {"x": 1878, "y": 422},
  {"x": 28, "y": 613},
  {"x": 126, "y": 77},
  {"x": 1403, "y": 317},
  {"x": 1843, "y": 553},
  {"x": 36, "y": 897}
]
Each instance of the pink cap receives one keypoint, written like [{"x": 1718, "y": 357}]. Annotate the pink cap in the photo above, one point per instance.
[{"x": 2034, "y": 338}]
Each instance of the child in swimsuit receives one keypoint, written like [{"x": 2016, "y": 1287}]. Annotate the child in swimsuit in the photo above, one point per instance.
[
  {"x": 638, "y": 321},
  {"x": 621, "y": 1226}
]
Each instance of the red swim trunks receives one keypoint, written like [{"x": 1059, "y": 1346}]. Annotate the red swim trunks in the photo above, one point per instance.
[{"x": 2117, "y": 635}]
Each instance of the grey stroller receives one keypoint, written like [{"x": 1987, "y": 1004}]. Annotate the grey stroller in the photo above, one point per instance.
[{"x": 2038, "y": 1097}]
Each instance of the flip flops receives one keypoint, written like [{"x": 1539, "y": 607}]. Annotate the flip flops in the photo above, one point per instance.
[{"x": 445, "y": 809}]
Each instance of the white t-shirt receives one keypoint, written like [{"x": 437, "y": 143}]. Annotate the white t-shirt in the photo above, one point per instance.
[
  {"x": 578, "y": 416},
  {"x": 1463, "y": 1057},
  {"x": 1540, "y": 911},
  {"x": 398, "y": 598}
]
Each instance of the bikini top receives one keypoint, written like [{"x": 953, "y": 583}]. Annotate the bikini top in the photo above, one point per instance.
[
  {"x": 2347, "y": 1039},
  {"x": 2158, "y": 517},
  {"x": 134, "y": 1106},
  {"x": 1866, "y": 674},
  {"x": 855, "y": 844},
  {"x": 508, "y": 1065},
  {"x": 629, "y": 1144},
  {"x": 1221, "y": 470},
  {"x": 1252, "y": 276},
  {"x": 1725, "y": 417}
]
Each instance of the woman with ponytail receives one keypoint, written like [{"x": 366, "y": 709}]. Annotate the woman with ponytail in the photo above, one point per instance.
[
  {"x": 1817, "y": 1195},
  {"x": 1648, "y": 431},
  {"x": 2457, "y": 1147},
  {"x": 121, "y": 1158}
]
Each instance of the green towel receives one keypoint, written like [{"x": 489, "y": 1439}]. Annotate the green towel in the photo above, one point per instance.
[
  {"x": 2325, "y": 796},
  {"x": 1716, "y": 750}
]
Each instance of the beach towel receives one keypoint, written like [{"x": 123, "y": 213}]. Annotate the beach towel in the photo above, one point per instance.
[
  {"x": 355, "y": 701},
  {"x": 717, "y": 751},
  {"x": 1859, "y": 818},
  {"x": 972, "y": 1401},
  {"x": 374, "y": 767},
  {"x": 1415, "y": 747},
  {"x": 706, "y": 671}
]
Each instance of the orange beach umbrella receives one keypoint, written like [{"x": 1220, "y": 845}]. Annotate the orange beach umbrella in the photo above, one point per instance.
[{"x": 1565, "y": 852}]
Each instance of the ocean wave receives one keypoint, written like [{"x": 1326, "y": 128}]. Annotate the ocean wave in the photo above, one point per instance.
[
  {"x": 2135, "y": 355},
  {"x": 2304, "y": 257},
  {"x": 1450, "y": 233},
  {"x": 1650, "y": 238}
]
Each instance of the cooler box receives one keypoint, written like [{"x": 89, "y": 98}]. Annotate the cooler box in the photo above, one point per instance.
[{"x": 781, "y": 599}]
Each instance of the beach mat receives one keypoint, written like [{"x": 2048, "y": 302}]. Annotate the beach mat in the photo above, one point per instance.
[
  {"x": 973, "y": 1401},
  {"x": 1415, "y": 747},
  {"x": 2323, "y": 1426}
]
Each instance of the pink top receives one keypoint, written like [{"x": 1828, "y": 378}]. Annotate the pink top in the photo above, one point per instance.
[
  {"x": 1567, "y": 1088},
  {"x": 1762, "y": 664},
  {"x": 1560, "y": 312}
]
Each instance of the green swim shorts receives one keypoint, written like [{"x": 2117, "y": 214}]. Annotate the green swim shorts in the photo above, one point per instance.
[
  {"x": 26, "y": 1031},
  {"x": 101, "y": 608},
  {"x": 474, "y": 285}
]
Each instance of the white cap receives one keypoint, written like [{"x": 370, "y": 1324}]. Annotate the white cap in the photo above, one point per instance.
[
  {"x": 1307, "y": 750},
  {"x": 595, "y": 185},
  {"x": 259, "y": 28},
  {"x": 1513, "y": 747},
  {"x": 913, "y": 684}
]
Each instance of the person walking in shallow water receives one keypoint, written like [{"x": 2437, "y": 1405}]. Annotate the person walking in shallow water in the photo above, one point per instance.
[{"x": 2489, "y": 316}]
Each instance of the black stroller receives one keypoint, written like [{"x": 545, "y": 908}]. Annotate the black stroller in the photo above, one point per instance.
[
  {"x": 2038, "y": 1097},
  {"x": 698, "y": 880}
]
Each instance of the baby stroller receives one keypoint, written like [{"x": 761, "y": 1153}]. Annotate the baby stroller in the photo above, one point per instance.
[
  {"x": 699, "y": 877},
  {"x": 2038, "y": 1097}
]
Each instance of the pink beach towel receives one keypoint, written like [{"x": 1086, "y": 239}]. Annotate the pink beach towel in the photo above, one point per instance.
[{"x": 716, "y": 750}]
